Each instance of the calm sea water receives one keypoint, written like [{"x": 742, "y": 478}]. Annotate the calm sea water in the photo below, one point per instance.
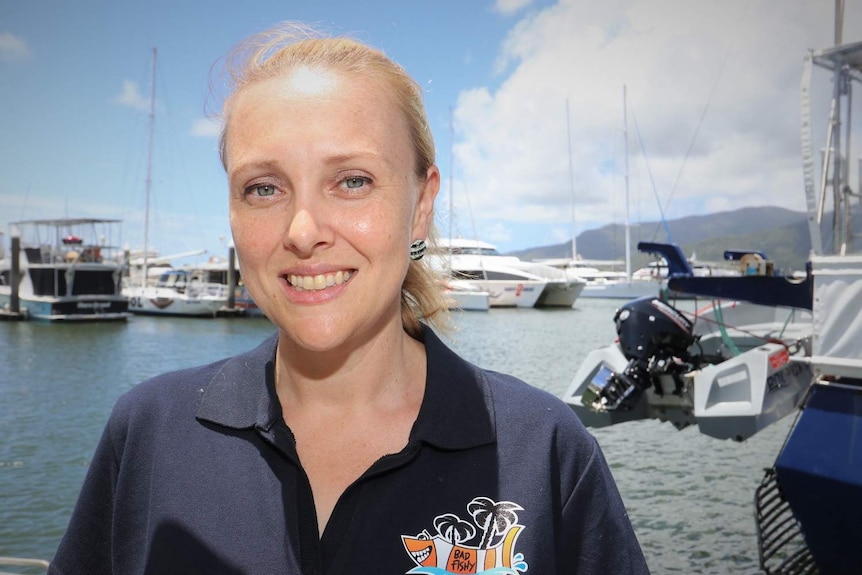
[{"x": 689, "y": 496}]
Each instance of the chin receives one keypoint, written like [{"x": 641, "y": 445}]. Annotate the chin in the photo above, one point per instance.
[{"x": 315, "y": 335}]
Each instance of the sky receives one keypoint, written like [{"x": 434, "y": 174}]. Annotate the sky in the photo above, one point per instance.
[{"x": 525, "y": 100}]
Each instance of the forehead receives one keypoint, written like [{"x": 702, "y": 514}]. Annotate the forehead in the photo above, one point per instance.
[
  {"x": 321, "y": 101},
  {"x": 312, "y": 81}
]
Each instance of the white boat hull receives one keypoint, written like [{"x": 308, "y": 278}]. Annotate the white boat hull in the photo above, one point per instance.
[
  {"x": 509, "y": 293},
  {"x": 620, "y": 289},
  {"x": 561, "y": 293},
  {"x": 165, "y": 301},
  {"x": 469, "y": 301},
  {"x": 761, "y": 381}
]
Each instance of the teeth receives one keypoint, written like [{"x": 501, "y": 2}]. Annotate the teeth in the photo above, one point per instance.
[{"x": 318, "y": 282}]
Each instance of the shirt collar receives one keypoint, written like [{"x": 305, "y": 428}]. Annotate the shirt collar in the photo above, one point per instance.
[
  {"x": 456, "y": 412},
  {"x": 242, "y": 394}
]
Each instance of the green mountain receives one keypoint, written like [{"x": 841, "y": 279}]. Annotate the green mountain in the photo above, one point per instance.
[{"x": 779, "y": 233}]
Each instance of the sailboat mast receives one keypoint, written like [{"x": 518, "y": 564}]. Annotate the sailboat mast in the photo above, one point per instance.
[
  {"x": 626, "y": 156},
  {"x": 572, "y": 184},
  {"x": 841, "y": 85},
  {"x": 149, "y": 180},
  {"x": 451, "y": 187}
]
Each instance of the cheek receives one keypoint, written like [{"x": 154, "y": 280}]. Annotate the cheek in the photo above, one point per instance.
[
  {"x": 251, "y": 237},
  {"x": 380, "y": 232}
]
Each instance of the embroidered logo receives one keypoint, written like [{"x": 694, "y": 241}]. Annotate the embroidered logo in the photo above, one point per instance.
[{"x": 493, "y": 533}]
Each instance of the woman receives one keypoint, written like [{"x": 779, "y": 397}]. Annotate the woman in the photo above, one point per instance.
[{"x": 352, "y": 441}]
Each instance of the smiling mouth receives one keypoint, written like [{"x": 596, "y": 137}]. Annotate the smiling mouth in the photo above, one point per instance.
[
  {"x": 421, "y": 555},
  {"x": 320, "y": 281}
]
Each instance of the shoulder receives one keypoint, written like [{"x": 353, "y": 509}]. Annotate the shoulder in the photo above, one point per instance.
[
  {"x": 524, "y": 409},
  {"x": 168, "y": 387},
  {"x": 165, "y": 395},
  {"x": 515, "y": 407}
]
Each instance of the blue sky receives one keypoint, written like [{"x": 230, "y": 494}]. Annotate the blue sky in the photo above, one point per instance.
[{"x": 713, "y": 107}]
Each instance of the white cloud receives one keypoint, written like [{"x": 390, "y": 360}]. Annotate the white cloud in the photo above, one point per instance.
[
  {"x": 12, "y": 47},
  {"x": 206, "y": 128},
  {"x": 511, "y": 6},
  {"x": 131, "y": 96},
  {"x": 726, "y": 70}
]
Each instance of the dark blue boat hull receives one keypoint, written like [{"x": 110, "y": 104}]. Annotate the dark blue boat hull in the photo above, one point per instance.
[{"x": 820, "y": 474}]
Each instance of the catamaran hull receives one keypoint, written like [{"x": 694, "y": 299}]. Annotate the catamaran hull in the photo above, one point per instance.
[
  {"x": 505, "y": 293},
  {"x": 560, "y": 293}
]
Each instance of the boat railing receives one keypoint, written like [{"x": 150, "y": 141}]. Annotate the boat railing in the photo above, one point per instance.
[
  {"x": 21, "y": 562},
  {"x": 211, "y": 289}
]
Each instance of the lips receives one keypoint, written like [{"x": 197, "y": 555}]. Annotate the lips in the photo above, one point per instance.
[{"x": 320, "y": 281}]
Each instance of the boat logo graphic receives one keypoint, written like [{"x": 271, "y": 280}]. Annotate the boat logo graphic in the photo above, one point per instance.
[
  {"x": 493, "y": 533},
  {"x": 161, "y": 302}
]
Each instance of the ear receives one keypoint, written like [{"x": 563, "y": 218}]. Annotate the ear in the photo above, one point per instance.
[{"x": 425, "y": 203}]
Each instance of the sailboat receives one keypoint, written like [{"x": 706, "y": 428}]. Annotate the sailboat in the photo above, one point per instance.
[
  {"x": 614, "y": 285},
  {"x": 176, "y": 292},
  {"x": 462, "y": 295}
]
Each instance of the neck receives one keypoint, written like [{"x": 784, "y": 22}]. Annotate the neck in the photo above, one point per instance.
[{"x": 387, "y": 371}]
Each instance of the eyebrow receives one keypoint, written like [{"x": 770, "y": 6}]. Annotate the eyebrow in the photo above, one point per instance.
[
  {"x": 346, "y": 157},
  {"x": 338, "y": 158}
]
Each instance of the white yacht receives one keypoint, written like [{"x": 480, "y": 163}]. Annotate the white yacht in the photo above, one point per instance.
[
  {"x": 466, "y": 296},
  {"x": 179, "y": 292},
  {"x": 603, "y": 283},
  {"x": 481, "y": 263},
  {"x": 561, "y": 289}
]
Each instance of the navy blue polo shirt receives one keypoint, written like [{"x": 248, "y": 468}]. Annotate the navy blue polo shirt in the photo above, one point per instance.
[{"x": 196, "y": 472}]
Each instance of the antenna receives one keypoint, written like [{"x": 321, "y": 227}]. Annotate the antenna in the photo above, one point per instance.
[{"x": 149, "y": 181}]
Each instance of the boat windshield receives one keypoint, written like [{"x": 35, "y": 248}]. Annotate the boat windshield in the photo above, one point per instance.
[{"x": 473, "y": 251}]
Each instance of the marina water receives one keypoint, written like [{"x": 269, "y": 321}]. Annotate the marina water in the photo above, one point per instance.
[{"x": 689, "y": 496}]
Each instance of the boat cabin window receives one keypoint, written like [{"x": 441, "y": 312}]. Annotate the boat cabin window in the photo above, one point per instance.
[
  {"x": 468, "y": 274},
  {"x": 48, "y": 282},
  {"x": 94, "y": 282},
  {"x": 492, "y": 275},
  {"x": 486, "y": 275},
  {"x": 473, "y": 251},
  {"x": 174, "y": 279},
  {"x": 34, "y": 255}
]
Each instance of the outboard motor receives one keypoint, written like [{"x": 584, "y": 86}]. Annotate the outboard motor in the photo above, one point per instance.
[{"x": 655, "y": 338}]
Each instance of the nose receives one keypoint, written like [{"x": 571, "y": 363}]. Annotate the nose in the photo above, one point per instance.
[{"x": 308, "y": 228}]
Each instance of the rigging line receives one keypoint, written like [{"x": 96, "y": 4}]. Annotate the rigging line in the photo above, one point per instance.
[
  {"x": 652, "y": 181},
  {"x": 703, "y": 113},
  {"x": 452, "y": 165},
  {"x": 472, "y": 219},
  {"x": 697, "y": 129},
  {"x": 26, "y": 201}
]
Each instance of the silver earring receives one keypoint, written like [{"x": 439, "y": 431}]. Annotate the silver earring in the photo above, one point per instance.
[{"x": 417, "y": 249}]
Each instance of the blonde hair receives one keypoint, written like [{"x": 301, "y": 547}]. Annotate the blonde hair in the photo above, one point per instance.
[{"x": 290, "y": 45}]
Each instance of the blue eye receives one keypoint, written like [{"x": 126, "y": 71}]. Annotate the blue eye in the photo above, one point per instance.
[
  {"x": 354, "y": 183},
  {"x": 262, "y": 190}
]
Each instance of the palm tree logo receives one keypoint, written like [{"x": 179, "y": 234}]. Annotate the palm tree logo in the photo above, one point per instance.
[
  {"x": 493, "y": 517},
  {"x": 454, "y": 529}
]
